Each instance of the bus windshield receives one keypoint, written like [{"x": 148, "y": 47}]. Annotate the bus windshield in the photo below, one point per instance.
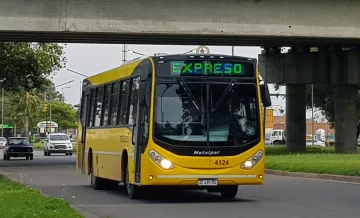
[{"x": 206, "y": 114}]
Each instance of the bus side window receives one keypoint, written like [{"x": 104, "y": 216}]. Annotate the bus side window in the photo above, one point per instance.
[
  {"x": 91, "y": 109},
  {"x": 82, "y": 108},
  {"x": 106, "y": 102},
  {"x": 98, "y": 105},
  {"x": 114, "y": 100},
  {"x": 123, "y": 102},
  {"x": 134, "y": 93}
]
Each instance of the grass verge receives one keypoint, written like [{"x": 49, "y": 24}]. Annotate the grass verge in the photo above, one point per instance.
[
  {"x": 316, "y": 160},
  {"x": 18, "y": 201}
]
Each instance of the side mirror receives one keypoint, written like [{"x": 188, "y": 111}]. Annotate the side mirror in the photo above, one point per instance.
[{"x": 265, "y": 95}]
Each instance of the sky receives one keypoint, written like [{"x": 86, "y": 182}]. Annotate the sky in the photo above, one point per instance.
[{"x": 91, "y": 59}]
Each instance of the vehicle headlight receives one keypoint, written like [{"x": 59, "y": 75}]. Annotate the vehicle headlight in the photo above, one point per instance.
[
  {"x": 252, "y": 161},
  {"x": 161, "y": 161}
]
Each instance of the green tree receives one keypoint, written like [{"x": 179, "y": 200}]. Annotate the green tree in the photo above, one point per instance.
[
  {"x": 64, "y": 115},
  {"x": 25, "y": 66},
  {"x": 23, "y": 105},
  {"x": 14, "y": 109}
]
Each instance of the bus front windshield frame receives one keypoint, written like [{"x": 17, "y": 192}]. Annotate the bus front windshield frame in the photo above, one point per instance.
[{"x": 204, "y": 113}]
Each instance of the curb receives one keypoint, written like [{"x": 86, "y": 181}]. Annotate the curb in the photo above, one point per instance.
[{"x": 353, "y": 179}]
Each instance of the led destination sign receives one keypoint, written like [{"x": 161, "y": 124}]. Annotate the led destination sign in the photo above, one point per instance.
[{"x": 209, "y": 68}]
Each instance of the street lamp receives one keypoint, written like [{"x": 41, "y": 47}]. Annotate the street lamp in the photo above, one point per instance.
[
  {"x": 134, "y": 52},
  {"x": 62, "y": 92},
  {"x": 50, "y": 99},
  {"x": 73, "y": 71}
]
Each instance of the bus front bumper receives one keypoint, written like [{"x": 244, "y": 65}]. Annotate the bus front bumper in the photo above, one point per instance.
[{"x": 204, "y": 177}]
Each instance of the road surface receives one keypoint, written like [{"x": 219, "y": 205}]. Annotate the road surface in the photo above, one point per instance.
[{"x": 280, "y": 197}]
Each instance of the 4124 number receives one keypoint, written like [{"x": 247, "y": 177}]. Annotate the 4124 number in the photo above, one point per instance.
[{"x": 222, "y": 162}]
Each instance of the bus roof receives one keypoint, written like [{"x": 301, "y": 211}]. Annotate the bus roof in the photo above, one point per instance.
[{"x": 126, "y": 69}]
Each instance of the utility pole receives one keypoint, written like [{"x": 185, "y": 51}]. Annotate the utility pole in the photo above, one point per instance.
[
  {"x": 2, "y": 113},
  {"x": 50, "y": 110},
  {"x": 46, "y": 122},
  {"x": 312, "y": 112},
  {"x": 124, "y": 53}
]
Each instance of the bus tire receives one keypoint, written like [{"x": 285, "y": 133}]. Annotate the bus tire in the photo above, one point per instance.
[
  {"x": 133, "y": 191},
  {"x": 229, "y": 191},
  {"x": 97, "y": 183}
]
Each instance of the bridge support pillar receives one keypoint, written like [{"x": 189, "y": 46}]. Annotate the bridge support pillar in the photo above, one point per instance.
[
  {"x": 346, "y": 118},
  {"x": 296, "y": 117}
]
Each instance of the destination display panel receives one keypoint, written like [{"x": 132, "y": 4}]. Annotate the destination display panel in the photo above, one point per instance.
[{"x": 218, "y": 68}]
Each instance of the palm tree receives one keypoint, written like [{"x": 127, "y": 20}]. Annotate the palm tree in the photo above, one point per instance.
[{"x": 26, "y": 106}]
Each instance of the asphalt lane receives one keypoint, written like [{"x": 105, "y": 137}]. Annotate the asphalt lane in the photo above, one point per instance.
[{"x": 279, "y": 197}]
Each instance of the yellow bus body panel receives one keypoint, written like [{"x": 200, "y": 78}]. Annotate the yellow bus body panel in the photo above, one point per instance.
[{"x": 107, "y": 146}]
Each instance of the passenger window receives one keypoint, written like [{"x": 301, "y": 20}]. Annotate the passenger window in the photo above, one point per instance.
[
  {"x": 123, "y": 102},
  {"x": 91, "y": 109},
  {"x": 98, "y": 105},
  {"x": 134, "y": 100},
  {"x": 114, "y": 99},
  {"x": 106, "y": 105}
]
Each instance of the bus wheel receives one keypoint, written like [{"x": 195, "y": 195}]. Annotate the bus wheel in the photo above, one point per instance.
[
  {"x": 229, "y": 191},
  {"x": 133, "y": 191},
  {"x": 96, "y": 182}
]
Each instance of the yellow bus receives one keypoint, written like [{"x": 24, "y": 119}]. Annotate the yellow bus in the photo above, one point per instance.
[{"x": 182, "y": 121}]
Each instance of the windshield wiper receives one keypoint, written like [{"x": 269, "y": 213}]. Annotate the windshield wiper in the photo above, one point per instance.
[
  {"x": 193, "y": 100},
  {"x": 227, "y": 90}
]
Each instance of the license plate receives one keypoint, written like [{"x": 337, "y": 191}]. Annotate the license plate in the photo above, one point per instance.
[{"x": 207, "y": 182}]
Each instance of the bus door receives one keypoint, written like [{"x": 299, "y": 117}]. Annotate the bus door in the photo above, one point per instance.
[
  {"x": 84, "y": 116},
  {"x": 140, "y": 129}
]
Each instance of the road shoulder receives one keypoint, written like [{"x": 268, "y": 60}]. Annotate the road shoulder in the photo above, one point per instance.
[{"x": 352, "y": 179}]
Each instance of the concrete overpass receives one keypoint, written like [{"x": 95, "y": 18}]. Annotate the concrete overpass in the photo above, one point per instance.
[
  {"x": 210, "y": 22},
  {"x": 328, "y": 24}
]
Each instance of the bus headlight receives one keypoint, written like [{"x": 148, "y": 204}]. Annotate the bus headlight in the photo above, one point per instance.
[
  {"x": 161, "y": 161},
  {"x": 252, "y": 161}
]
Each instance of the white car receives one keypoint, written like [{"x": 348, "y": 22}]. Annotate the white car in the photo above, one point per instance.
[
  {"x": 58, "y": 143},
  {"x": 3, "y": 142},
  {"x": 316, "y": 143}
]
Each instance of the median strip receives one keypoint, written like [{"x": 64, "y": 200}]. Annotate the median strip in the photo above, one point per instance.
[
  {"x": 352, "y": 179},
  {"x": 316, "y": 162},
  {"x": 18, "y": 200}
]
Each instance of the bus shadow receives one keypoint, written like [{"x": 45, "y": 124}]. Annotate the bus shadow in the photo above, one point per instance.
[{"x": 180, "y": 196}]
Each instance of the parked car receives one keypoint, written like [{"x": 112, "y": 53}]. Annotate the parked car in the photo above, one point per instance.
[
  {"x": 58, "y": 143},
  {"x": 2, "y": 142},
  {"x": 18, "y": 147},
  {"x": 316, "y": 143}
]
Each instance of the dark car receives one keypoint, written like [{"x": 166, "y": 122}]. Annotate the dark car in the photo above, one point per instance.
[{"x": 18, "y": 147}]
